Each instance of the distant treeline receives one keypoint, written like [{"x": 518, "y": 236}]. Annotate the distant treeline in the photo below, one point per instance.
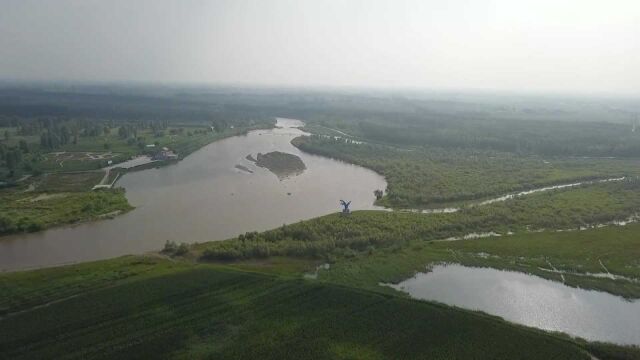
[
  {"x": 544, "y": 126},
  {"x": 16, "y": 104},
  {"x": 521, "y": 137}
]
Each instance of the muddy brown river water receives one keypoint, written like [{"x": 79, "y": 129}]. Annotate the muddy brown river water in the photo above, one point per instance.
[{"x": 202, "y": 198}]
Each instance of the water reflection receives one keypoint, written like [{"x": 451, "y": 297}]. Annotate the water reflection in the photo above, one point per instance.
[{"x": 530, "y": 300}]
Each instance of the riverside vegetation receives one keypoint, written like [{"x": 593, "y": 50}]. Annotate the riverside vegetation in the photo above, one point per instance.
[
  {"x": 55, "y": 199},
  {"x": 423, "y": 177}
]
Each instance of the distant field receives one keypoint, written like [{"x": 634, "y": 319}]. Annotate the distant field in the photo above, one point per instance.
[
  {"x": 68, "y": 182},
  {"x": 133, "y": 307}
]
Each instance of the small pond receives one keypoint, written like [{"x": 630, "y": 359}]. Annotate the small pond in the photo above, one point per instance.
[{"x": 530, "y": 300}]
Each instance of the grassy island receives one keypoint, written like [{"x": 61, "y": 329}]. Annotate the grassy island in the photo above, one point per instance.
[{"x": 282, "y": 164}]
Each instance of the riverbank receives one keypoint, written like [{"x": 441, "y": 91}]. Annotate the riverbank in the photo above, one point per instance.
[
  {"x": 69, "y": 197},
  {"x": 57, "y": 200}
]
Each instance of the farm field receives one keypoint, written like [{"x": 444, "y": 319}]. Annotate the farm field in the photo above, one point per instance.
[{"x": 133, "y": 306}]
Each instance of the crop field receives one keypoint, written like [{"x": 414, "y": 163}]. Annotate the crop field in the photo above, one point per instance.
[
  {"x": 174, "y": 310},
  {"x": 68, "y": 182},
  {"x": 68, "y": 156},
  {"x": 78, "y": 161}
]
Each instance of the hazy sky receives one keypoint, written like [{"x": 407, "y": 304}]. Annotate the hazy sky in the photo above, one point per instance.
[{"x": 537, "y": 45}]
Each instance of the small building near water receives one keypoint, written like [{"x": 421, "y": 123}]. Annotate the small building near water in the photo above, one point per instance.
[{"x": 165, "y": 154}]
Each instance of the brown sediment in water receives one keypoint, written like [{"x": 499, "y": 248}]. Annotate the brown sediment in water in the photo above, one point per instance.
[{"x": 244, "y": 168}]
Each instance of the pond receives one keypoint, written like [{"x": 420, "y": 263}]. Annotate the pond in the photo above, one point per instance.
[
  {"x": 530, "y": 300},
  {"x": 202, "y": 198}
]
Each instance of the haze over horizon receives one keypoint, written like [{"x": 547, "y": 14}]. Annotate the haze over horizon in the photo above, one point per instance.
[{"x": 568, "y": 46}]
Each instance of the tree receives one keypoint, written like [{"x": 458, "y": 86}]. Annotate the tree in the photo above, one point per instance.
[
  {"x": 24, "y": 146},
  {"x": 65, "y": 135},
  {"x": 6, "y": 224},
  {"x": 7, "y": 135},
  {"x": 13, "y": 158},
  {"x": 123, "y": 132},
  {"x": 378, "y": 193}
]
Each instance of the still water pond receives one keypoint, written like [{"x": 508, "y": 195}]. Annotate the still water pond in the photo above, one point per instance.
[
  {"x": 204, "y": 197},
  {"x": 531, "y": 301}
]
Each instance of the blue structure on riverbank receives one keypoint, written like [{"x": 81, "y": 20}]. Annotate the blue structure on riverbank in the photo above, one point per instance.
[{"x": 345, "y": 207}]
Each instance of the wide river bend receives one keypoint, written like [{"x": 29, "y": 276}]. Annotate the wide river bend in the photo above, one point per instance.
[{"x": 202, "y": 198}]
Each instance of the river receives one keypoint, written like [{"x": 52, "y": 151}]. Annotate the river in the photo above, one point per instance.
[{"x": 202, "y": 198}]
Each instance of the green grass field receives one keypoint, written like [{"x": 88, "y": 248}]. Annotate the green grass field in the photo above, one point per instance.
[
  {"x": 139, "y": 307},
  {"x": 579, "y": 252},
  {"x": 34, "y": 211}
]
